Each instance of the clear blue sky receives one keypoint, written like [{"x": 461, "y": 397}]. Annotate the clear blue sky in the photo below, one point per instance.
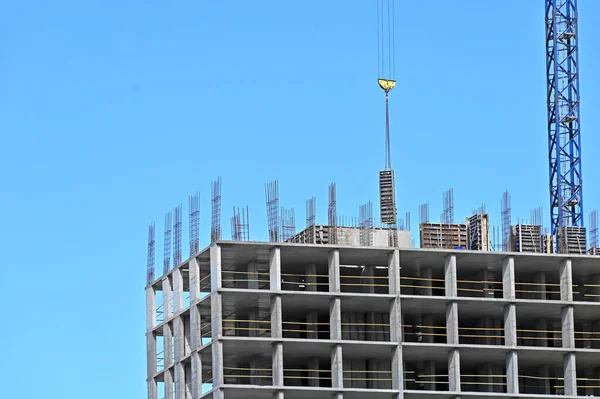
[{"x": 114, "y": 111}]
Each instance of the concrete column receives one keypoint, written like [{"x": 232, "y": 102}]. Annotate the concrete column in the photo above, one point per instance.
[
  {"x": 334, "y": 270},
  {"x": 278, "y": 395},
  {"x": 452, "y": 323},
  {"x": 367, "y": 278},
  {"x": 194, "y": 280},
  {"x": 169, "y": 388},
  {"x": 337, "y": 369},
  {"x": 216, "y": 281},
  {"x": 253, "y": 275},
  {"x": 450, "y": 275},
  {"x": 312, "y": 317},
  {"x": 429, "y": 371},
  {"x": 278, "y": 364},
  {"x": 512, "y": 372},
  {"x": 540, "y": 280},
  {"x": 218, "y": 394},
  {"x": 568, "y": 327},
  {"x": 454, "y": 370},
  {"x": 335, "y": 318},
  {"x": 311, "y": 277},
  {"x": 397, "y": 372},
  {"x": 167, "y": 298},
  {"x": 566, "y": 280},
  {"x": 276, "y": 318},
  {"x": 508, "y": 277},
  {"x": 195, "y": 328},
  {"x": 150, "y": 308},
  {"x": 510, "y": 325},
  {"x": 570, "y": 371},
  {"x": 275, "y": 268},
  {"x": 427, "y": 320},
  {"x": 488, "y": 286},
  {"x": 179, "y": 381},
  {"x": 395, "y": 321},
  {"x": 177, "y": 291},
  {"x": 313, "y": 376},
  {"x": 151, "y": 354},
  {"x": 216, "y": 315},
  {"x": 168, "y": 345},
  {"x": 595, "y": 290},
  {"x": 394, "y": 272},
  {"x": 179, "y": 348},
  {"x": 187, "y": 369},
  {"x": 217, "y": 363},
  {"x": 152, "y": 391},
  {"x": 196, "y": 375},
  {"x": 426, "y": 273}
]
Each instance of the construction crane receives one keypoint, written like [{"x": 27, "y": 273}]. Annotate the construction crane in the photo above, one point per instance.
[
  {"x": 386, "y": 81},
  {"x": 564, "y": 135}
]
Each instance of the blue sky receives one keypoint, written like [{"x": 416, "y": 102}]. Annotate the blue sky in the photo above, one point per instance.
[{"x": 113, "y": 112}]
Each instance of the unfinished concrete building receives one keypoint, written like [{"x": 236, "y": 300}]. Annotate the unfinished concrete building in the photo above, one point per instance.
[
  {"x": 319, "y": 234},
  {"x": 244, "y": 320}
]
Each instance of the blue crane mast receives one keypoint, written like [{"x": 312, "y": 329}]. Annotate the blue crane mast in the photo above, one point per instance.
[{"x": 564, "y": 135}]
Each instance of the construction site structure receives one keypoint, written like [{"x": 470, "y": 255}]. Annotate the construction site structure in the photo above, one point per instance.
[
  {"x": 440, "y": 235},
  {"x": 478, "y": 227},
  {"x": 243, "y": 320},
  {"x": 320, "y": 234},
  {"x": 572, "y": 240},
  {"x": 527, "y": 238}
]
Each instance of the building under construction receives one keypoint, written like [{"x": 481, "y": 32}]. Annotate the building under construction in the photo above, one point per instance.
[
  {"x": 351, "y": 309},
  {"x": 259, "y": 320}
]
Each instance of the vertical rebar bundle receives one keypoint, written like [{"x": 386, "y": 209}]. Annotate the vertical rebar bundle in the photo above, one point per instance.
[
  {"x": 167, "y": 242},
  {"x": 332, "y": 214},
  {"x": 448, "y": 213},
  {"x": 536, "y": 216},
  {"x": 272, "y": 199},
  {"x": 311, "y": 211},
  {"x": 151, "y": 253},
  {"x": 194, "y": 206},
  {"x": 215, "y": 226},
  {"x": 240, "y": 224},
  {"x": 424, "y": 213},
  {"x": 594, "y": 231},
  {"x": 177, "y": 232},
  {"x": 506, "y": 218},
  {"x": 288, "y": 223},
  {"x": 365, "y": 217},
  {"x": 407, "y": 222}
]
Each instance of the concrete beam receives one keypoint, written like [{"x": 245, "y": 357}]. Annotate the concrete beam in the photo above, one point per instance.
[{"x": 275, "y": 268}]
